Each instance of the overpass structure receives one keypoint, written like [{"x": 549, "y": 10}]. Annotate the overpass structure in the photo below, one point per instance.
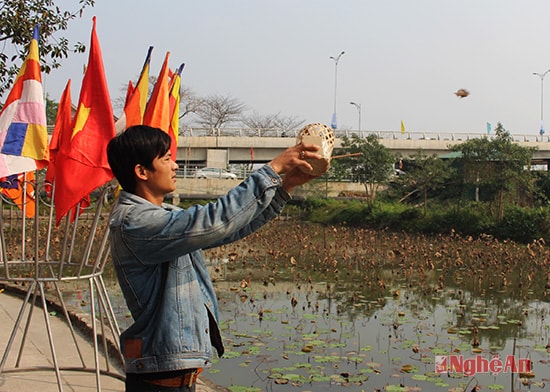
[{"x": 220, "y": 149}]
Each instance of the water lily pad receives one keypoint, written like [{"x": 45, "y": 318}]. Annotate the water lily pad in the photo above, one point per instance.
[
  {"x": 516, "y": 322},
  {"x": 317, "y": 342},
  {"x": 326, "y": 358},
  {"x": 293, "y": 377},
  {"x": 310, "y": 316},
  {"x": 419, "y": 377},
  {"x": 394, "y": 388},
  {"x": 427, "y": 359},
  {"x": 358, "y": 379},
  {"x": 439, "y": 351},
  {"x": 408, "y": 368},
  {"x": 240, "y": 388},
  {"x": 337, "y": 345},
  {"x": 320, "y": 378},
  {"x": 231, "y": 354}
]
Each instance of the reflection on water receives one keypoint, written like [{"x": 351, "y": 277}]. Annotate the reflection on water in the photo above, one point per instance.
[
  {"x": 305, "y": 307},
  {"x": 324, "y": 335}
]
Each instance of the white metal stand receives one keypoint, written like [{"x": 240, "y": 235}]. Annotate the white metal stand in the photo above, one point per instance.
[{"x": 43, "y": 261}]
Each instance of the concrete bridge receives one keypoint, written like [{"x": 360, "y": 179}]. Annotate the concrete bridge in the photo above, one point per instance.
[{"x": 197, "y": 148}]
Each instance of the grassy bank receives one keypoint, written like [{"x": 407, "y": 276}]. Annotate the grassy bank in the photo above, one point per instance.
[{"x": 518, "y": 224}]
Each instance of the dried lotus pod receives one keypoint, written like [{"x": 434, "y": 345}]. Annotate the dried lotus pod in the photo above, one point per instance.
[{"x": 322, "y": 136}]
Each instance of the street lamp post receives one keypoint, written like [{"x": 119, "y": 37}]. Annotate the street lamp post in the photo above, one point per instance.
[
  {"x": 358, "y": 107},
  {"x": 336, "y": 59},
  {"x": 541, "y": 76}
]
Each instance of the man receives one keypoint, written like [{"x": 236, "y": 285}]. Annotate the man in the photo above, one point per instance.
[{"x": 157, "y": 254}]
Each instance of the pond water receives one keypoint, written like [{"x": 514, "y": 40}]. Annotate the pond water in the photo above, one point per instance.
[{"x": 312, "y": 308}]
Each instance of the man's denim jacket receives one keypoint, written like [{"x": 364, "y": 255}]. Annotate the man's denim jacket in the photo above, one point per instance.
[{"x": 157, "y": 254}]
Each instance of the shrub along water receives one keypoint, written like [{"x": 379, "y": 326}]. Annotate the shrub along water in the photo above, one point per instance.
[{"x": 521, "y": 224}]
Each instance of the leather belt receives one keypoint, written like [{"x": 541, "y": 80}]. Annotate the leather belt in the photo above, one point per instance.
[{"x": 188, "y": 380}]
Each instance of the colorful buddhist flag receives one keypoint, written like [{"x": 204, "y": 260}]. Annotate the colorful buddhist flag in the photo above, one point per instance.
[
  {"x": 20, "y": 189},
  {"x": 136, "y": 98},
  {"x": 9, "y": 182},
  {"x": 83, "y": 166},
  {"x": 23, "y": 133},
  {"x": 157, "y": 112},
  {"x": 174, "y": 104}
]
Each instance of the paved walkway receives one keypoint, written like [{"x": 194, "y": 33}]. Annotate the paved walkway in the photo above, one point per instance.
[{"x": 37, "y": 353}]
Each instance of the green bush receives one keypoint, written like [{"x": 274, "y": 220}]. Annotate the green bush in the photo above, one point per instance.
[
  {"x": 469, "y": 218},
  {"x": 523, "y": 224},
  {"x": 393, "y": 216},
  {"x": 335, "y": 211}
]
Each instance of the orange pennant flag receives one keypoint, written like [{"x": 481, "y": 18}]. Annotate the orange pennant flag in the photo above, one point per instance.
[
  {"x": 136, "y": 98},
  {"x": 157, "y": 112},
  {"x": 129, "y": 92},
  {"x": 174, "y": 103}
]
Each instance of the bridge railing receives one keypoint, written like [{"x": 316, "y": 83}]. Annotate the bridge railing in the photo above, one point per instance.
[{"x": 382, "y": 134}]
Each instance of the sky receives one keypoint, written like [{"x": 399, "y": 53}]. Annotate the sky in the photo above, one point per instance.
[{"x": 403, "y": 59}]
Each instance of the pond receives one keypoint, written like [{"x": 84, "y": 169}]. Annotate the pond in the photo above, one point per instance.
[{"x": 314, "y": 308}]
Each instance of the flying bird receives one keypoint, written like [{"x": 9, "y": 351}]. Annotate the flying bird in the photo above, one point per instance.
[{"x": 462, "y": 93}]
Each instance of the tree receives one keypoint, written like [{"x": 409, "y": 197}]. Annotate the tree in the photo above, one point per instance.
[
  {"x": 425, "y": 174},
  {"x": 51, "y": 110},
  {"x": 287, "y": 124},
  {"x": 497, "y": 164},
  {"x": 282, "y": 124},
  {"x": 217, "y": 111},
  {"x": 189, "y": 103},
  {"x": 17, "y": 21},
  {"x": 372, "y": 169}
]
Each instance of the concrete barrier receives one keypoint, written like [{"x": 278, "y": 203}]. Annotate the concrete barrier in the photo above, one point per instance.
[{"x": 208, "y": 188}]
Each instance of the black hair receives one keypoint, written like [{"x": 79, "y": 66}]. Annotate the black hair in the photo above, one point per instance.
[{"x": 138, "y": 145}]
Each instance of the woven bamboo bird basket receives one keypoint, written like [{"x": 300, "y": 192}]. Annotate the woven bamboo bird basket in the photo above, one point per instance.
[{"x": 321, "y": 135}]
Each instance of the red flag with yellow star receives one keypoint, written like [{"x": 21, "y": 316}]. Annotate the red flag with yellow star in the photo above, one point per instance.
[
  {"x": 62, "y": 128},
  {"x": 82, "y": 165}
]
